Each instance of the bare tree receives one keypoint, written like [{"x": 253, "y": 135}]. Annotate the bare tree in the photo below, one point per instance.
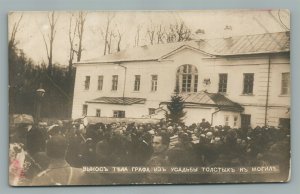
[
  {"x": 112, "y": 36},
  {"x": 76, "y": 30},
  {"x": 80, "y": 30},
  {"x": 14, "y": 31},
  {"x": 178, "y": 32},
  {"x": 107, "y": 35},
  {"x": 151, "y": 33},
  {"x": 170, "y": 34},
  {"x": 160, "y": 34},
  {"x": 72, "y": 35},
  {"x": 52, "y": 20},
  {"x": 182, "y": 32},
  {"x": 119, "y": 41},
  {"x": 137, "y": 35}
]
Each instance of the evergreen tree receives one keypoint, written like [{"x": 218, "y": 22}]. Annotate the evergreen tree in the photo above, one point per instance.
[{"x": 175, "y": 113}]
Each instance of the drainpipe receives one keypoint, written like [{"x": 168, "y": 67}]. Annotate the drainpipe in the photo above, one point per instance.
[
  {"x": 212, "y": 116},
  {"x": 125, "y": 75},
  {"x": 268, "y": 88}
]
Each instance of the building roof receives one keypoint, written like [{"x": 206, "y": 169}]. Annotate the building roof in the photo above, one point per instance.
[
  {"x": 190, "y": 99},
  {"x": 211, "y": 99},
  {"x": 109, "y": 120},
  {"x": 252, "y": 44},
  {"x": 238, "y": 45},
  {"x": 141, "y": 53},
  {"x": 118, "y": 100}
]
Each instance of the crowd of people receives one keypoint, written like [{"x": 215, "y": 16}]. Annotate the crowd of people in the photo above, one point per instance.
[{"x": 55, "y": 154}]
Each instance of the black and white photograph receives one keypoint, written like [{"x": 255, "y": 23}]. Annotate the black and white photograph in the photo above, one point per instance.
[{"x": 149, "y": 97}]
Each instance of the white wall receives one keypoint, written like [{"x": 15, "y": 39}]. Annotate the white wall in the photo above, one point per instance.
[
  {"x": 219, "y": 119},
  {"x": 208, "y": 67},
  {"x": 131, "y": 111},
  {"x": 166, "y": 71},
  {"x": 255, "y": 104},
  {"x": 195, "y": 115}
]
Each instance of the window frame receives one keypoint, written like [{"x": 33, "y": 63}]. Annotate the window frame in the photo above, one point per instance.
[
  {"x": 87, "y": 82},
  {"x": 84, "y": 109},
  {"x": 187, "y": 78},
  {"x": 223, "y": 81},
  {"x": 137, "y": 83},
  {"x": 115, "y": 80},
  {"x": 226, "y": 120},
  {"x": 151, "y": 111},
  {"x": 235, "y": 121},
  {"x": 246, "y": 120},
  {"x": 286, "y": 82},
  {"x": 248, "y": 84},
  {"x": 154, "y": 83},
  {"x": 98, "y": 111},
  {"x": 283, "y": 122},
  {"x": 116, "y": 113},
  {"x": 100, "y": 82}
]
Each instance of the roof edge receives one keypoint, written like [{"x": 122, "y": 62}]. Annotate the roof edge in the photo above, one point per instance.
[
  {"x": 183, "y": 47},
  {"x": 110, "y": 62}
]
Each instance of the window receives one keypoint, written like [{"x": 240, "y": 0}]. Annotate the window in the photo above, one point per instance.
[
  {"x": 100, "y": 82},
  {"x": 223, "y": 82},
  {"x": 196, "y": 83},
  {"x": 98, "y": 112},
  {"x": 187, "y": 79},
  {"x": 87, "y": 82},
  {"x": 114, "y": 83},
  {"x": 119, "y": 114},
  {"x": 245, "y": 120},
  {"x": 186, "y": 83},
  {"x": 284, "y": 123},
  {"x": 226, "y": 120},
  {"x": 153, "y": 83},
  {"x": 137, "y": 83},
  {"x": 235, "y": 120},
  {"x": 248, "y": 83},
  {"x": 84, "y": 110},
  {"x": 285, "y": 83},
  {"x": 151, "y": 111}
]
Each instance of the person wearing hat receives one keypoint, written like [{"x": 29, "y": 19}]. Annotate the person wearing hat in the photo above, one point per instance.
[
  {"x": 204, "y": 124},
  {"x": 182, "y": 154},
  {"x": 59, "y": 172}
]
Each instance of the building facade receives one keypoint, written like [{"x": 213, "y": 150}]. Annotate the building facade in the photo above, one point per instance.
[{"x": 236, "y": 81}]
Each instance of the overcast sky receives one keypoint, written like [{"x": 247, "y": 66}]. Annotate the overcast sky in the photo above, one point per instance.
[{"x": 242, "y": 22}]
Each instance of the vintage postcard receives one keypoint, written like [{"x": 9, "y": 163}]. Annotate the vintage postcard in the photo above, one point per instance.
[{"x": 149, "y": 97}]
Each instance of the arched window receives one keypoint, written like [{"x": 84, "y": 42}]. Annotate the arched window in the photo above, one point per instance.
[{"x": 187, "y": 79}]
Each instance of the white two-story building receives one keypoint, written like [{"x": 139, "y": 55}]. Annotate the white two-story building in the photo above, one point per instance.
[{"x": 234, "y": 81}]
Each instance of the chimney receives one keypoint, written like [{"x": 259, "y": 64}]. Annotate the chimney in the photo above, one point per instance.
[{"x": 227, "y": 33}]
